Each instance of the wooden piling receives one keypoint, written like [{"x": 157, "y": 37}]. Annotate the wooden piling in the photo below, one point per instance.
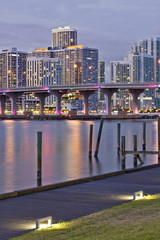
[
  {"x": 135, "y": 149},
  {"x": 39, "y": 157},
  {"x": 99, "y": 137},
  {"x": 118, "y": 137},
  {"x": 123, "y": 151},
  {"x": 90, "y": 140},
  {"x": 140, "y": 159},
  {"x": 144, "y": 137}
]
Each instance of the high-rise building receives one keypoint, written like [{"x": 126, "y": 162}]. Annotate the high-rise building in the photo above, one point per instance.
[
  {"x": 79, "y": 64},
  {"x": 42, "y": 52},
  {"x": 12, "y": 68},
  {"x": 43, "y": 71},
  {"x": 120, "y": 73},
  {"x": 156, "y": 54},
  {"x": 144, "y": 64},
  {"x": 143, "y": 68},
  {"x": 150, "y": 46},
  {"x": 13, "y": 72},
  {"x": 63, "y": 37},
  {"x": 101, "y": 72},
  {"x": 101, "y": 80},
  {"x": 143, "y": 72}
]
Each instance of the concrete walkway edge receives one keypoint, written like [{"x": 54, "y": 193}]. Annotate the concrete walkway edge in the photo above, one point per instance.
[{"x": 72, "y": 182}]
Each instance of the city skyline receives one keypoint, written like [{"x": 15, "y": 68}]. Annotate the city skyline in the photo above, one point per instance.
[{"x": 112, "y": 27}]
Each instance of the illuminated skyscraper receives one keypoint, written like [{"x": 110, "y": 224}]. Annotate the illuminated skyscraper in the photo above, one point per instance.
[
  {"x": 13, "y": 72},
  {"x": 101, "y": 72},
  {"x": 12, "y": 68},
  {"x": 142, "y": 71},
  {"x": 64, "y": 37},
  {"x": 142, "y": 64},
  {"x": 101, "y": 80},
  {"x": 144, "y": 57},
  {"x": 79, "y": 64},
  {"x": 150, "y": 46},
  {"x": 43, "y": 71},
  {"x": 120, "y": 73}
]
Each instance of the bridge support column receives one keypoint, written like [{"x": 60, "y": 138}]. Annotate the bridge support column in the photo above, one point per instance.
[
  {"x": 14, "y": 97},
  {"x": 58, "y": 95},
  {"x": 135, "y": 93},
  {"x": 108, "y": 94},
  {"x": 58, "y": 103},
  {"x": 86, "y": 95},
  {"x": 41, "y": 97},
  {"x": 3, "y": 99}
]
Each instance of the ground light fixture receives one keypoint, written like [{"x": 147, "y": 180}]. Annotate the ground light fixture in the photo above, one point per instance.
[
  {"x": 138, "y": 195},
  {"x": 44, "y": 222}
]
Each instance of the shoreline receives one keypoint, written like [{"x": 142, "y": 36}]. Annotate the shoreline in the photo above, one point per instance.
[
  {"x": 77, "y": 117},
  {"x": 72, "y": 182}
]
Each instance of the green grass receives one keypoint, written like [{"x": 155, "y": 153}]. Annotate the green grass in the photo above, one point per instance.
[{"x": 135, "y": 220}]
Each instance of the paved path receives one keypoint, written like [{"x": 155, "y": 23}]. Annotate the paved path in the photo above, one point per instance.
[{"x": 18, "y": 215}]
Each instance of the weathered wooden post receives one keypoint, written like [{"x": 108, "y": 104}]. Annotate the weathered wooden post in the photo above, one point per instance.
[
  {"x": 39, "y": 157},
  {"x": 90, "y": 140},
  {"x": 99, "y": 137},
  {"x": 123, "y": 151},
  {"x": 140, "y": 159},
  {"x": 144, "y": 137},
  {"x": 135, "y": 149},
  {"x": 159, "y": 140},
  {"x": 118, "y": 137}
]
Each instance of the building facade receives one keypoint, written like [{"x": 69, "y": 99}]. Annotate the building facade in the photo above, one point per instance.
[
  {"x": 43, "y": 71},
  {"x": 12, "y": 68},
  {"x": 120, "y": 73},
  {"x": 144, "y": 66},
  {"x": 63, "y": 37},
  {"x": 101, "y": 72},
  {"x": 150, "y": 46},
  {"x": 79, "y": 64},
  {"x": 143, "y": 72},
  {"x": 101, "y": 80},
  {"x": 42, "y": 52},
  {"x": 13, "y": 72}
]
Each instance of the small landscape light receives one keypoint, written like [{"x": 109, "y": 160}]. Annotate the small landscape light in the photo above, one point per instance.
[
  {"x": 43, "y": 222},
  {"x": 138, "y": 195}
]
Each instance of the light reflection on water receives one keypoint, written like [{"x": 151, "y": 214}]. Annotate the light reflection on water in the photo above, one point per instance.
[{"x": 65, "y": 150}]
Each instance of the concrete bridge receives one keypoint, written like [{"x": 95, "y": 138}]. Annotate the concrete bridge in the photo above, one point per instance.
[{"x": 85, "y": 90}]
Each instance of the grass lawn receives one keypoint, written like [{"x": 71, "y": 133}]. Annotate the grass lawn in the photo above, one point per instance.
[{"x": 135, "y": 220}]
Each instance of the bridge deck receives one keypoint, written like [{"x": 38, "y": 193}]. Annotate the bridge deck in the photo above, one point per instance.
[{"x": 82, "y": 87}]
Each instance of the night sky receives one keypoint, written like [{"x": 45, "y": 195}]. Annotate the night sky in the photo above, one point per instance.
[{"x": 112, "y": 26}]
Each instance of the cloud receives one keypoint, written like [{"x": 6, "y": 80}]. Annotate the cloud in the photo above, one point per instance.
[
  {"x": 112, "y": 26},
  {"x": 24, "y": 36}
]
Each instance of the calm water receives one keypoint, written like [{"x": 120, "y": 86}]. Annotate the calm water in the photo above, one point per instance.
[{"x": 65, "y": 150}]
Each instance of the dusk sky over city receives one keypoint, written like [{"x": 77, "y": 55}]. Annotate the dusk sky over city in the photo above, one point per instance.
[{"x": 111, "y": 26}]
